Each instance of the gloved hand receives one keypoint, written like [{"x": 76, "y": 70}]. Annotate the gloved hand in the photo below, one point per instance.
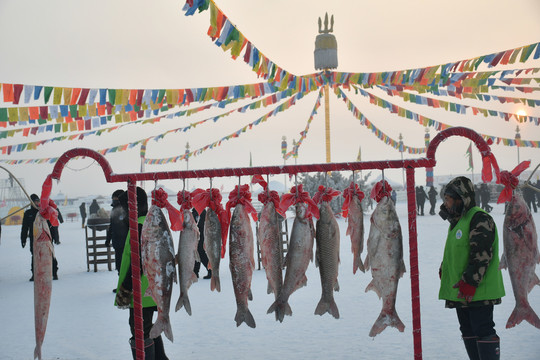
[
  {"x": 466, "y": 291},
  {"x": 23, "y": 243},
  {"x": 123, "y": 297}
]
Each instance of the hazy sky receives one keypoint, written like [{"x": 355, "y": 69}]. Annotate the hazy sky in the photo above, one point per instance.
[{"x": 140, "y": 44}]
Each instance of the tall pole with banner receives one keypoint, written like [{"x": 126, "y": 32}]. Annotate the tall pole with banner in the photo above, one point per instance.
[
  {"x": 429, "y": 170},
  {"x": 325, "y": 59}
]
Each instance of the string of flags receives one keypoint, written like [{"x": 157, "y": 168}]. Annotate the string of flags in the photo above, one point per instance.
[{"x": 38, "y": 109}]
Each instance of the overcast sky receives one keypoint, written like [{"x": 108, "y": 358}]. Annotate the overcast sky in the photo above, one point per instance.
[{"x": 143, "y": 45}]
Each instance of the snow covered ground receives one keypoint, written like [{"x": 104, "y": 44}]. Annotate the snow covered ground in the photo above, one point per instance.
[{"x": 84, "y": 324}]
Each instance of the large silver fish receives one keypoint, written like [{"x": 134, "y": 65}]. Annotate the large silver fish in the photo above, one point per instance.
[
  {"x": 212, "y": 246},
  {"x": 43, "y": 258},
  {"x": 187, "y": 255},
  {"x": 327, "y": 259},
  {"x": 241, "y": 263},
  {"x": 270, "y": 242},
  {"x": 355, "y": 229},
  {"x": 299, "y": 255},
  {"x": 158, "y": 262},
  {"x": 520, "y": 257},
  {"x": 385, "y": 258}
]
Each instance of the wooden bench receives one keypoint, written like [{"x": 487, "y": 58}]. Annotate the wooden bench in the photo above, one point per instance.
[{"x": 96, "y": 250}]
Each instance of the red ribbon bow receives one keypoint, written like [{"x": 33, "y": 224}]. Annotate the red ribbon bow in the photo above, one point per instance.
[
  {"x": 47, "y": 207},
  {"x": 510, "y": 181},
  {"x": 298, "y": 195},
  {"x": 211, "y": 198},
  {"x": 489, "y": 161},
  {"x": 325, "y": 194},
  {"x": 381, "y": 190},
  {"x": 349, "y": 193},
  {"x": 241, "y": 195},
  {"x": 159, "y": 198},
  {"x": 266, "y": 196},
  {"x": 184, "y": 200}
]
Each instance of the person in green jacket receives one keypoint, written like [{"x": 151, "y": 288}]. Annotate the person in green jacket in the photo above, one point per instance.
[
  {"x": 153, "y": 348},
  {"x": 471, "y": 281}
]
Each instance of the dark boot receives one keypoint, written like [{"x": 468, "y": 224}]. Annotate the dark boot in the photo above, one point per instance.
[
  {"x": 159, "y": 349},
  {"x": 489, "y": 348},
  {"x": 149, "y": 352},
  {"x": 209, "y": 275},
  {"x": 471, "y": 347},
  {"x": 55, "y": 269}
]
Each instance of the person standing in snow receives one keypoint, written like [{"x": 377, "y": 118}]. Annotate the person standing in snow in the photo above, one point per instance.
[
  {"x": 420, "y": 200},
  {"x": 94, "y": 207},
  {"x": 471, "y": 281},
  {"x": 432, "y": 195},
  {"x": 82, "y": 210},
  {"x": 118, "y": 229},
  {"x": 27, "y": 232},
  {"x": 153, "y": 348}
]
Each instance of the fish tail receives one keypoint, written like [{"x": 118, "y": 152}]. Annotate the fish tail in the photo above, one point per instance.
[
  {"x": 183, "y": 300},
  {"x": 37, "y": 352},
  {"x": 358, "y": 265},
  {"x": 162, "y": 325},
  {"x": 215, "y": 284},
  {"x": 244, "y": 315},
  {"x": 327, "y": 306},
  {"x": 281, "y": 309},
  {"x": 386, "y": 319},
  {"x": 521, "y": 313}
]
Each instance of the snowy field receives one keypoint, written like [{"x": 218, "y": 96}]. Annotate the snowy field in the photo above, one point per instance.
[{"x": 84, "y": 323}]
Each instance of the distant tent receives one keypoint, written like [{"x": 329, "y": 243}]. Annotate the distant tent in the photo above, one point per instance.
[{"x": 15, "y": 219}]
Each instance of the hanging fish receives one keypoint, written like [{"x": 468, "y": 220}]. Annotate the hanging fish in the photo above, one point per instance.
[{"x": 352, "y": 210}]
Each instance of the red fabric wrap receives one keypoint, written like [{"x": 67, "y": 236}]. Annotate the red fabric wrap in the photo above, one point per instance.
[
  {"x": 298, "y": 195},
  {"x": 325, "y": 194},
  {"x": 258, "y": 179},
  {"x": 47, "y": 207},
  {"x": 159, "y": 198},
  {"x": 211, "y": 198},
  {"x": 241, "y": 195},
  {"x": 348, "y": 194},
  {"x": 381, "y": 190},
  {"x": 510, "y": 181},
  {"x": 184, "y": 200}
]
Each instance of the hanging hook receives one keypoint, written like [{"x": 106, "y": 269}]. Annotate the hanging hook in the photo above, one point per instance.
[
  {"x": 238, "y": 193},
  {"x": 184, "y": 185},
  {"x": 210, "y": 190},
  {"x": 383, "y": 181}
]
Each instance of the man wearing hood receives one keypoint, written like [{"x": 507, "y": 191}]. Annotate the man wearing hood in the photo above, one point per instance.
[
  {"x": 27, "y": 232},
  {"x": 471, "y": 281}
]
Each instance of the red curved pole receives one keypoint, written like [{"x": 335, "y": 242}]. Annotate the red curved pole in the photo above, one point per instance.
[
  {"x": 70, "y": 154},
  {"x": 409, "y": 165}
]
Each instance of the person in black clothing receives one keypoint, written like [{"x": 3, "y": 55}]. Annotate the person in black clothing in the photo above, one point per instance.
[
  {"x": 529, "y": 195},
  {"x": 432, "y": 194},
  {"x": 118, "y": 228},
  {"x": 200, "y": 245},
  {"x": 27, "y": 231},
  {"x": 94, "y": 207},
  {"x": 485, "y": 197},
  {"x": 420, "y": 200},
  {"x": 82, "y": 210},
  {"x": 154, "y": 348}
]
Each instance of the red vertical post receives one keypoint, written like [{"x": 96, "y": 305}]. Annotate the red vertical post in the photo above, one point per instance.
[
  {"x": 135, "y": 268},
  {"x": 413, "y": 258}
]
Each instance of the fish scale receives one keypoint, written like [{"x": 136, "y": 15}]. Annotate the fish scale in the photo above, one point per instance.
[
  {"x": 385, "y": 258},
  {"x": 327, "y": 259},
  {"x": 241, "y": 263},
  {"x": 43, "y": 258},
  {"x": 299, "y": 254},
  {"x": 212, "y": 246},
  {"x": 158, "y": 260},
  {"x": 187, "y": 255},
  {"x": 520, "y": 257}
]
